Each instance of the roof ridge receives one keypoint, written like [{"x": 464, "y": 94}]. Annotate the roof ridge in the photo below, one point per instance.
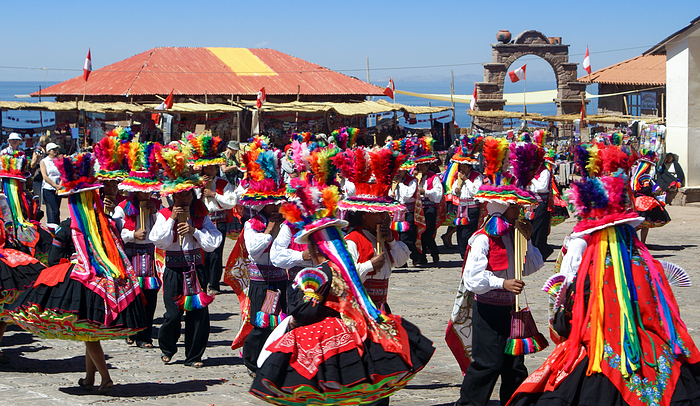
[{"x": 133, "y": 82}]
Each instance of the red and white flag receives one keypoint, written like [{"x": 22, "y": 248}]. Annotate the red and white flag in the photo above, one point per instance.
[
  {"x": 583, "y": 114},
  {"x": 167, "y": 103},
  {"x": 261, "y": 97},
  {"x": 587, "y": 62},
  {"x": 518, "y": 74},
  {"x": 472, "y": 103},
  {"x": 87, "y": 66},
  {"x": 389, "y": 91}
]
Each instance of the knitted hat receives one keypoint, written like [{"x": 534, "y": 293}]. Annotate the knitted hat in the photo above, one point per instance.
[
  {"x": 601, "y": 198},
  {"x": 77, "y": 173},
  {"x": 110, "y": 153},
  {"x": 423, "y": 153},
  {"x": 466, "y": 153},
  {"x": 143, "y": 162},
  {"x": 173, "y": 158},
  {"x": 359, "y": 165},
  {"x": 204, "y": 149},
  {"x": 506, "y": 187},
  {"x": 264, "y": 174},
  {"x": 14, "y": 166}
]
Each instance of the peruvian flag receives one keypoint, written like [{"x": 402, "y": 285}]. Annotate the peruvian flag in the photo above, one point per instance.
[
  {"x": 87, "y": 66},
  {"x": 587, "y": 62},
  {"x": 167, "y": 103},
  {"x": 472, "y": 103},
  {"x": 389, "y": 91},
  {"x": 518, "y": 74},
  {"x": 261, "y": 98}
]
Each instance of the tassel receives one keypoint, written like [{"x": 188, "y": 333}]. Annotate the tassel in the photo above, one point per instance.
[
  {"x": 528, "y": 345},
  {"x": 400, "y": 226},
  {"x": 149, "y": 283},
  {"x": 194, "y": 302},
  {"x": 264, "y": 320}
]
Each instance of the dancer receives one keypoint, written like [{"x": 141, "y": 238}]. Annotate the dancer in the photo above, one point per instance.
[
  {"x": 431, "y": 195},
  {"x": 481, "y": 319},
  {"x": 404, "y": 189},
  {"x": 624, "y": 341},
  {"x": 360, "y": 355},
  {"x": 111, "y": 153},
  {"x": 217, "y": 195},
  {"x": 645, "y": 191},
  {"x": 541, "y": 187},
  {"x": 372, "y": 244},
  {"x": 465, "y": 188},
  {"x": 136, "y": 214},
  {"x": 93, "y": 298},
  {"x": 183, "y": 231},
  {"x": 268, "y": 283}
]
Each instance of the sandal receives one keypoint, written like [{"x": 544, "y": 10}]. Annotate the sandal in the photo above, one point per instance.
[
  {"x": 129, "y": 340},
  {"x": 144, "y": 345},
  {"x": 85, "y": 386},
  {"x": 198, "y": 364},
  {"x": 165, "y": 358},
  {"x": 105, "y": 388}
]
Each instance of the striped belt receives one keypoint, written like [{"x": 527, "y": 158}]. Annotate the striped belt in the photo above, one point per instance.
[
  {"x": 496, "y": 297},
  {"x": 217, "y": 216},
  {"x": 267, "y": 273},
  {"x": 377, "y": 289},
  {"x": 542, "y": 197},
  {"x": 183, "y": 259}
]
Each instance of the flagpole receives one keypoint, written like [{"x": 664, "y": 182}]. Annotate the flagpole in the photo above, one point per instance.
[
  {"x": 452, "y": 93},
  {"x": 81, "y": 112},
  {"x": 524, "y": 93}
]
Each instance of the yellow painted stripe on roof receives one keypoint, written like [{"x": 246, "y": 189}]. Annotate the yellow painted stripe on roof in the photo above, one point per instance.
[{"x": 242, "y": 61}]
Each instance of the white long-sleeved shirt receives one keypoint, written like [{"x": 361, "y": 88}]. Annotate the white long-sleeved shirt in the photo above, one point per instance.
[
  {"x": 224, "y": 201},
  {"x": 541, "y": 183},
  {"x": 128, "y": 235},
  {"x": 479, "y": 280},
  {"x": 257, "y": 243},
  {"x": 284, "y": 257},
  {"x": 164, "y": 236},
  {"x": 434, "y": 194},
  {"x": 575, "y": 248},
  {"x": 468, "y": 189},
  {"x": 399, "y": 252},
  {"x": 405, "y": 194}
]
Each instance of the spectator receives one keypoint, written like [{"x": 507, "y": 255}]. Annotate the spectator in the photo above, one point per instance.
[
  {"x": 37, "y": 156},
  {"x": 14, "y": 140},
  {"x": 670, "y": 176},
  {"x": 50, "y": 185}
]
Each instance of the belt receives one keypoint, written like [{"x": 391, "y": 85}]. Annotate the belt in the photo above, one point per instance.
[
  {"x": 496, "y": 297},
  {"x": 267, "y": 273},
  {"x": 217, "y": 216},
  {"x": 183, "y": 259}
]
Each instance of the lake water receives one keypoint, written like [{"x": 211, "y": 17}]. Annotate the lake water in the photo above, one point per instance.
[{"x": 21, "y": 119}]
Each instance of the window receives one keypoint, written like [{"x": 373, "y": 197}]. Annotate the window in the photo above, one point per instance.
[{"x": 634, "y": 104}]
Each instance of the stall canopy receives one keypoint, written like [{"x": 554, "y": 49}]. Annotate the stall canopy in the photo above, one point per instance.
[{"x": 596, "y": 118}]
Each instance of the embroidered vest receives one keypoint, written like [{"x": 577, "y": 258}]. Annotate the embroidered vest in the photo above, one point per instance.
[{"x": 497, "y": 261}]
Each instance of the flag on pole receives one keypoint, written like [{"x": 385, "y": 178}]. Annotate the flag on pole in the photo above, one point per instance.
[
  {"x": 87, "y": 66},
  {"x": 167, "y": 103},
  {"x": 472, "y": 103},
  {"x": 587, "y": 62},
  {"x": 261, "y": 97},
  {"x": 389, "y": 91},
  {"x": 518, "y": 74},
  {"x": 583, "y": 114}
]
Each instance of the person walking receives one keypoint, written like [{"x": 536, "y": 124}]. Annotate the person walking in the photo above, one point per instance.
[{"x": 51, "y": 178}]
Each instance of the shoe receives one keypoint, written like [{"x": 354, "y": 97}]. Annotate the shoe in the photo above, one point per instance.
[
  {"x": 166, "y": 358},
  {"x": 447, "y": 241},
  {"x": 251, "y": 374},
  {"x": 84, "y": 386},
  {"x": 105, "y": 388},
  {"x": 213, "y": 292},
  {"x": 436, "y": 260},
  {"x": 144, "y": 345}
]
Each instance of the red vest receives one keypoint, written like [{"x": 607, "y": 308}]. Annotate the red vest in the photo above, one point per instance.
[
  {"x": 498, "y": 256},
  {"x": 130, "y": 221},
  {"x": 197, "y": 221},
  {"x": 364, "y": 245}
]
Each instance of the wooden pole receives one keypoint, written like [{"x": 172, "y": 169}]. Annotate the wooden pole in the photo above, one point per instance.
[
  {"x": 182, "y": 218},
  {"x": 380, "y": 242},
  {"x": 143, "y": 207}
]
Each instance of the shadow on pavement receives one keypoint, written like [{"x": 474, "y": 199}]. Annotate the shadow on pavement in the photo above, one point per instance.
[
  {"x": 221, "y": 316},
  {"x": 44, "y": 366},
  {"x": 149, "y": 389},
  {"x": 10, "y": 340},
  {"x": 434, "y": 386},
  {"x": 656, "y": 247},
  {"x": 223, "y": 361}
]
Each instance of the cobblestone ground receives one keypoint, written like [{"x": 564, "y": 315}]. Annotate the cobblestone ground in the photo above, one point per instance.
[{"x": 46, "y": 372}]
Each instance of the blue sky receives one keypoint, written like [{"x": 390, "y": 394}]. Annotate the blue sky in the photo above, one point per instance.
[{"x": 397, "y": 36}]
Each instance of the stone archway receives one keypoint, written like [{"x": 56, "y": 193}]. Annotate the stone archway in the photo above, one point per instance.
[{"x": 490, "y": 91}]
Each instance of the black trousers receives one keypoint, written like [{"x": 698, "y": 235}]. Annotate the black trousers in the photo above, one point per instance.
[
  {"x": 428, "y": 236},
  {"x": 146, "y": 335},
  {"x": 464, "y": 233},
  {"x": 410, "y": 236},
  {"x": 196, "y": 321},
  {"x": 491, "y": 328},
  {"x": 214, "y": 261},
  {"x": 253, "y": 344},
  {"x": 540, "y": 230}
]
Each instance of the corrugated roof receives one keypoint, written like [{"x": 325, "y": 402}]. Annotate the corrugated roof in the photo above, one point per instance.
[
  {"x": 215, "y": 71},
  {"x": 641, "y": 70}
]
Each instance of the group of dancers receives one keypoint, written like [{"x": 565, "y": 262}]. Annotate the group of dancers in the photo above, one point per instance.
[{"x": 312, "y": 265}]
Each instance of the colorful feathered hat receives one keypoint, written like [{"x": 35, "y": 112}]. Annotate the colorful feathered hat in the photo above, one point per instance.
[
  {"x": 423, "y": 152},
  {"x": 601, "y": 198},
  {"x": 405, "y": 146},
  {"x": 372, "y": 173},
  {"x": 466, "y": 153},
  {"x": 204, "y": 149},
  {"x": 110, "y": 153},
  {"x": 77, "y": 173},
  {"x": 344, "y": 137},
  {"x": 648, "y": 155},
  {"x": 264, "y": 177},
  {"x": 504, "y": 186},
  {"x": 14, "y": 166},
  {"x": 174, "y": 158},
  {"x": 143, "y": 164}
]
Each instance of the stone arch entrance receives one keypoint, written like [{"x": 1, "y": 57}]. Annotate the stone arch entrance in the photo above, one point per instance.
[{"x": 490, "y": 91}]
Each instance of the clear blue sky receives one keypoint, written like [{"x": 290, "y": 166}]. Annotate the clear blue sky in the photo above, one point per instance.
[{"x": 339, "y": 35}]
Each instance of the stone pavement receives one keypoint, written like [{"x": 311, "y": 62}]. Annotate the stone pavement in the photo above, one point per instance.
[{"x": 46, "y": 372}]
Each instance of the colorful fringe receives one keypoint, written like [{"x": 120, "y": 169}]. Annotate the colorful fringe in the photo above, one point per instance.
[
  {"x": 506, "y": 193},
  {"x": 496, "y": 226},
  {"x": 181, "y": 184},
  {"x": 264, "y": 320},
  {"x": 460, "y": 221},
  {"x": 449, "y": 177},
  {"x": 149, "y": 282},
  {"x": 524, "y": 337},
  {"x": 193, "y": 302},
  {"x": 16, "y": 201},
  {"x": 373, "y": 205},
  {"x": 400, "y": 226},
  {"x": 14, "y": 166}
]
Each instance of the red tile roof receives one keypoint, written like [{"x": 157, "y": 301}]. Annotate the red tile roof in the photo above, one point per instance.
[
  {"x": 640, "y": 70},
  {"x": 216, "y": 71}
]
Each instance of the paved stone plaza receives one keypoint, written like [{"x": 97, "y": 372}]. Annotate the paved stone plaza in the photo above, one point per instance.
[{"x": 46, "y": 372}]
